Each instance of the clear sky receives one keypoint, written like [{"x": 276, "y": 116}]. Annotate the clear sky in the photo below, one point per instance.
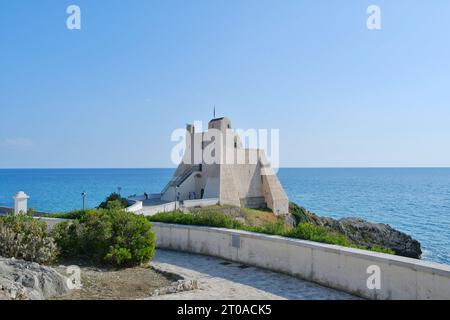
[{"x": 110, "y": 94}]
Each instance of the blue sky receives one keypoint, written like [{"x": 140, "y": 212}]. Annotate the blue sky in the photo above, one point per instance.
[{"x": 110, "y": 94}]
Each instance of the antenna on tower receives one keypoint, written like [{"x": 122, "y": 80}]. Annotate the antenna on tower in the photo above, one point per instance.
[{"x": 214, "y": 112}]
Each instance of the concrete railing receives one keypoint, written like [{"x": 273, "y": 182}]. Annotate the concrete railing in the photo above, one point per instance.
[
  {"x": 137, "y": 202},
  {"x": 350, "y": 270},
  {"x": 165, "y": 207},
  {"x": 6, "y": 210},
  {"x": 135, "y": 205},
  {"x": 52, "y": 222}
]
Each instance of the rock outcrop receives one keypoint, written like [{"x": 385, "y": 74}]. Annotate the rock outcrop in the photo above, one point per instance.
[
  {"x": 23, "y": 280},
  {"x": 364, "y": 233}
]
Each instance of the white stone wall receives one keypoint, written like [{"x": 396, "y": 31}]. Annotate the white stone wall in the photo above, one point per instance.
[
  {"x": 334, "y": 266},
  {"x": 135, "y": 207},
  {"x": 169, "y": 195},
  {"x": 187, "y": 186},
  {"x": 165, "y": 207}
]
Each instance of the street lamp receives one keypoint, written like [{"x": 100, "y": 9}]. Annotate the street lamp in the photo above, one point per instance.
[
  {"x": 176, "y": 197},
  {"x": 119, "y": 189},
  {"x": 83, "y": 195}
]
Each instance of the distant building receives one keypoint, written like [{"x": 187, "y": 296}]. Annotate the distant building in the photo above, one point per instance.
[{"x": 238, "y": 176}]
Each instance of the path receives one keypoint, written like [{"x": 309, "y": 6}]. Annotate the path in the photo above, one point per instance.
[{"x": 220, "y": 279}]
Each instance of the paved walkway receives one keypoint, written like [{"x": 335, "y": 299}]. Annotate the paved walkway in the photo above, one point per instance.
[{"x": 223, "y": 280}]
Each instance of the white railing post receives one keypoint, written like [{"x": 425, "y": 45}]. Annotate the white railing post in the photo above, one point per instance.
[{"x": 20, "y": 202}]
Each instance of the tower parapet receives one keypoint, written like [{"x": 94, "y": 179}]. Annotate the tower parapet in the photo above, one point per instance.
[{"x": 221, "y": 124}]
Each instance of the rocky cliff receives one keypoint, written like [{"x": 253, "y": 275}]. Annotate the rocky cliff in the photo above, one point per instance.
[
  {"x": 22, "y": 280},
  {"x": 363, "y": 233}
]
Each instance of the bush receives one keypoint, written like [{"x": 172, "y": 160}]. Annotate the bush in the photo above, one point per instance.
[
  {"x": 67, "y": 235},
  {"x": 24, "y": 237},
  {"x": 114, "y": 201},
  {"x": 108, "y": 236},
  {"x": 203, "y": 218},
  {"x": 308, "y": 231},
  {"x": 65, "y": 215}
]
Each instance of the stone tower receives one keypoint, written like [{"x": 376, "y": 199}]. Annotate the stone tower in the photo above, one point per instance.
[{"x": 215, "y": 165}]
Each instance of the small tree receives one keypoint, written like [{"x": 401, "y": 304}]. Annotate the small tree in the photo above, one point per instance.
[{"x": 114, "y": 200}]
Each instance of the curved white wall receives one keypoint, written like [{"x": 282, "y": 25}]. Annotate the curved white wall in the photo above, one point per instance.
[
  {"x": 165, "y": 207},
  {"x": 135, "y": 207},
  {"x": 334, "y": 266}
]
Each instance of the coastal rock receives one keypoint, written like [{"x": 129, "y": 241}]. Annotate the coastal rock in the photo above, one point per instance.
[
  {"x": 23, "y": 280},
  {"x": 364, "y": 233},
  {"x": 378, "y": 235},
  {"x": 179, "y": 286}
]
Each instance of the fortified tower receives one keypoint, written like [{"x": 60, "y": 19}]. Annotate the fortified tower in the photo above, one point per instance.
[{"x": 216, "y": 166}]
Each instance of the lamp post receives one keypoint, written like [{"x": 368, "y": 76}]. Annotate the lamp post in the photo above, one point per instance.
[
  {"x": 83, "y": 195},
  {"x": 119, "y": 189},
  {"x": 176, "y": 197}
]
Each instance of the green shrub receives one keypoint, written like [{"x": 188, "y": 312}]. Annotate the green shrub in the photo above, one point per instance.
[
  {"x": 67, "y": 235},
  {"x": 65, "y": 215},
  {"x": 133, "y": 241},
  {"x": 109, "y": 236},
  {"x": 382, "y": 250},
  {"x": 24, "y": 237},
  {"x": 203, "y": 218},
  {"x": 114, "y": 201},
  {"x": 308, "y": 231}
]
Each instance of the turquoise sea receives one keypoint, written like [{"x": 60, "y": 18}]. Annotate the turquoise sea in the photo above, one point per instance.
[{"x": 416, "y": 201}]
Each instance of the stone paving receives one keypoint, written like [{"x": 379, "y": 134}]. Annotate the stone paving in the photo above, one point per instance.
[{"x": 224, "y": 280}]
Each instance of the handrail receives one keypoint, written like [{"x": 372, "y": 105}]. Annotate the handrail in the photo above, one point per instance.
[{"x": 177, "y": 181}]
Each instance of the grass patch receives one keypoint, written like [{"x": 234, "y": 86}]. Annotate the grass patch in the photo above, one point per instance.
[
  {"x": 312, "y": 232},
  {"x": 210, "y": 218},
  {"x": 248, "y": 217}
]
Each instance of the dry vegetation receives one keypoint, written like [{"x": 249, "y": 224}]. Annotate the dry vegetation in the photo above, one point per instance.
[
  {"x": 249, "y": 217},
  {"x": 116, "y": 284}
]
